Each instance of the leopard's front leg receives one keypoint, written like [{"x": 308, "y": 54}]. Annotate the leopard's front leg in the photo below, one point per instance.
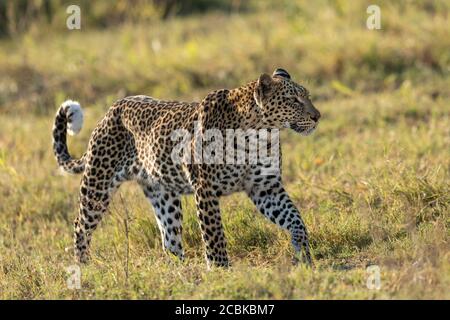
[
  {"x": 208, "y": 212},
  {"x": 269, "y": 196}
]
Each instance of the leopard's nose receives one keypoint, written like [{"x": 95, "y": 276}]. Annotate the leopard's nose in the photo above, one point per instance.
[{"x": 315, "y": 116}]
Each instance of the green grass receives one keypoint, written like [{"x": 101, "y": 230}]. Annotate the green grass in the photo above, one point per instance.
[{"x": 372, "y": 183}]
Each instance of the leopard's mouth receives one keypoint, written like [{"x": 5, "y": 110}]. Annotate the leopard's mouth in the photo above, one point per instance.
[{"x": 304, "y": 128}]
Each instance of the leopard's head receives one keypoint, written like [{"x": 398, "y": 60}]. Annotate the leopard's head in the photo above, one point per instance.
[{"x": 285, "y": 104}]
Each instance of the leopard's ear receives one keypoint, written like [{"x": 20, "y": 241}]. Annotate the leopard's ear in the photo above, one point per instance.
[
  {"x": 263, "y": 88},
  {"x": 281, "y": 73}
]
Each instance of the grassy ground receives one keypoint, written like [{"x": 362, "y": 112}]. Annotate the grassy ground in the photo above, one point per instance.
[{"x": 372, "y": 182}]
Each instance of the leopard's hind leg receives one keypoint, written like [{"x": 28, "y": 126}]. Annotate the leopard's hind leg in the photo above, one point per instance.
[
  {"x": 109, "y": 163},
  {"x": 96, "y": 191},
  {"x": 167, "y": 207}
]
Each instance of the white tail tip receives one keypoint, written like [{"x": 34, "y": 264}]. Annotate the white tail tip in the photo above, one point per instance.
[{"x": 74, "y": 115}]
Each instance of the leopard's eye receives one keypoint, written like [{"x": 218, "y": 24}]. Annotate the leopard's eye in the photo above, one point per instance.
[
  {"x": 298, "y": 103},
  {"x": 294, "y": 101}
]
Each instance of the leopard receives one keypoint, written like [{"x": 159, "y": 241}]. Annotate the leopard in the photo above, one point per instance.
[{"x": 134, "y": 141}]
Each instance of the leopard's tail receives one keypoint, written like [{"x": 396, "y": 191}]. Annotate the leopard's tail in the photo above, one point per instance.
[{"x": 69, "y": 119}]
